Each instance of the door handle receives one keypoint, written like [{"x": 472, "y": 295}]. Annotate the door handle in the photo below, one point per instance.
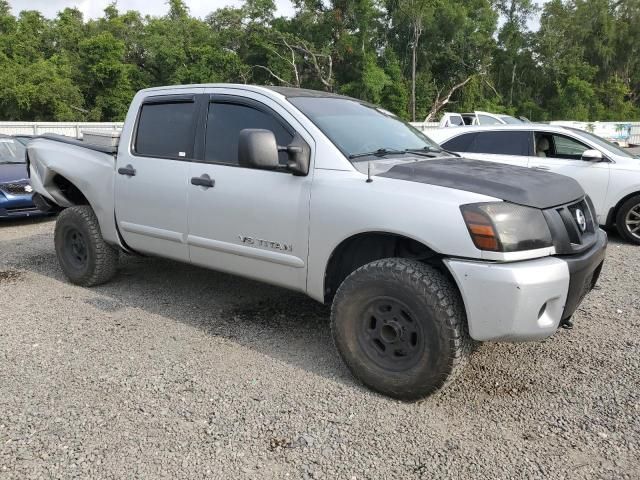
[
  {"x": 541, "y": 167},
  {"x": 129, "y": 171},
  {"x": 203, "y": 181}
]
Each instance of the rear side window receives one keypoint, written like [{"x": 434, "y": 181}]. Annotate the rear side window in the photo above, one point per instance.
[
  {"x": 501, "y": 143},
  {"x": 456, "y": 120},
  {"x": 460, "y": 143},
  {"x": 224, "y": 123},
  {"x": 166, "y": 130},
  {"x": 487, "y": 120}
]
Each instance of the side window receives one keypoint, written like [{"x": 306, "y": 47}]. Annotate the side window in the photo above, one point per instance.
[
  {"x": 456, "y": 120},
  {"x": 569, "y": 148},
  {"x": 502, "y": 143},
  {"x": 224, "y": 123},
  {"x": 487, "y": 120},
  {"x": 460, "y": 143},
  {"x": 166, "y": 130},
  {"x": 469, "y": 119}
]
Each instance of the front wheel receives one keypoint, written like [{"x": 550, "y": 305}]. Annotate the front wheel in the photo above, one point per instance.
[
  {"x": 86, "y": 259},
  {"x": 628, "y": 220},
  {"x": 400, "y": 327}
]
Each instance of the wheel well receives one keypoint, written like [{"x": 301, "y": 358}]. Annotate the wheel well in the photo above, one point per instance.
[
  {"x": 611, "y": 218},
  {"x": 364, "y": 248},
  {"x": 69, "y": 191}
]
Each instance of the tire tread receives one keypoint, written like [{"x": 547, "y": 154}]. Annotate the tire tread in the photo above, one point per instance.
[
  {"x": 106, "y": 257},
  {"x": 433, "y": 284}
]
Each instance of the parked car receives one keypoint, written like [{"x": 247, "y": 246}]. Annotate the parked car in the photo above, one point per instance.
[
  {"x": 451, "y": 119},
  {"x": 418, "y": 251},
  {"x": 609, "y": 174},
  {"x": 16, "y": 193}
]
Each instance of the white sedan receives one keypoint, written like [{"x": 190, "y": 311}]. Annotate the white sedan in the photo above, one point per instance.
[{"x": 609, "y": 174}]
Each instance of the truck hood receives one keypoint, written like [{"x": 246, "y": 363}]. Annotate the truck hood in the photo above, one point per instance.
[{"x": 524, "y": 186}]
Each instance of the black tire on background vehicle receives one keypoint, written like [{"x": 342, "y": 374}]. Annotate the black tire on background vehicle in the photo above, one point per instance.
[
  {"x": 86, "y": 259},
  {"x": 628, "y": 220},
  {"x": 401, "y": 328}
]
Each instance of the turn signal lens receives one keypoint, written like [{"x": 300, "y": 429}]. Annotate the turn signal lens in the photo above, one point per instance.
[
  {"x": 506, "y": 227},
  {"x": 481, "y": 229}
]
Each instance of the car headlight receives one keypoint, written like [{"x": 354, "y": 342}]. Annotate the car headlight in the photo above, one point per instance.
[{"x": 506, "y": 227}]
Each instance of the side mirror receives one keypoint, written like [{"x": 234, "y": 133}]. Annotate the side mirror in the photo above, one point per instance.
[
  {"x": 592, "y": 155},
  {"x": 299, "y": 156},
  {"x": 258, "y": 149}
]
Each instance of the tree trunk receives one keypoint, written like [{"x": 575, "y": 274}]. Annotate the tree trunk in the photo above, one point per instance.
[
  {"x": 417, "y": 31},
  {"x": 513, "y": 80},
  {"x": 413, "y": 84}
]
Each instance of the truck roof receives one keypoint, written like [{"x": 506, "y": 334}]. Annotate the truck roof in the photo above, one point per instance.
[{"x": 286, "y": 92}]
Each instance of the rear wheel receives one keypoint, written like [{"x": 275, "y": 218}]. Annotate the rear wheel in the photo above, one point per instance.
[
  {"x": 400, "y": 327},
  {"x": 86, "y": 259},
  {"x": 628, "y": 220}
]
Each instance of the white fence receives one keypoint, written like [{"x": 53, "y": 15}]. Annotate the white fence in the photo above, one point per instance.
[
  {"x": 424, "y": 126},
  {"x": 71, "y": 129},
  {"x": 634, "y": 139},
  {"x": 74, "y": 129}
]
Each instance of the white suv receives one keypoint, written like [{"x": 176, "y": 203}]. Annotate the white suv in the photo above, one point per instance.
[{"x": 609, "y": 174}]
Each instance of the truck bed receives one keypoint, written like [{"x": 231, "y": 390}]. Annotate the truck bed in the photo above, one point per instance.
[{"x": 79, "y": 143}]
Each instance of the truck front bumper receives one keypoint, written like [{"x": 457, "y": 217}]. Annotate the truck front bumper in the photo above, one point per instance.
[{"x": 525, "y": 301}]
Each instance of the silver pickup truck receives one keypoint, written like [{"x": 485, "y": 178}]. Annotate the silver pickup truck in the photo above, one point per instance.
[{"x": 420, "y": 252}]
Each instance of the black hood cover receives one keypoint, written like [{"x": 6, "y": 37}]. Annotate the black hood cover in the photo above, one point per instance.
[{"x": 524, "y": 186}]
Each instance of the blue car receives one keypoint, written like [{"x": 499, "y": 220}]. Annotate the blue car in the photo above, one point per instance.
[{"x": 16, "y": 194}]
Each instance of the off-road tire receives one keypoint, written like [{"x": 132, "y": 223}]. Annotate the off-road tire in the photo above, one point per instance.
[
  {"x": 428, "y": 295},
  {"x": 94, "y": 264},
  {"x": 621, "y": 219}
]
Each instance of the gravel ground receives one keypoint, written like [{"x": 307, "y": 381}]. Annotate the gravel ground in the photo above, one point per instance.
[{"x": 175, "y": 371}]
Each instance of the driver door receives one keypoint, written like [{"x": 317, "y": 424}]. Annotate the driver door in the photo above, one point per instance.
[
  {"x": 242, "y": 220},
  {"x": 564, "y": 156}
]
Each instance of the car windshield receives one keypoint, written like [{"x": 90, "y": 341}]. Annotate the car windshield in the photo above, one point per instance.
[
  {"x": 601, "y": 142},
  {"x": 510, "y": 120},
  {"x": 11, "y": 151},
  {"x": 361, "y": 130}
]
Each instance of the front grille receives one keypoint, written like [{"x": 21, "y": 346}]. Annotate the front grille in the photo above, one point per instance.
[
  {"x": 15, "y": 188},
  {"x": 573, "y": 226}
]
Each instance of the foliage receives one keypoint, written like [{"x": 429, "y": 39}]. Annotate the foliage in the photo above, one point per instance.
[{"x": 413, "y": 57}]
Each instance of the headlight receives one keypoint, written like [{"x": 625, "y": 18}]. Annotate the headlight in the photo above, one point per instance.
[{"x": 506, "y": 227}]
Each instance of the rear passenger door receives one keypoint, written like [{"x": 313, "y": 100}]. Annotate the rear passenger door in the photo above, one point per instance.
[
  {"x": 151, "y": 183},
  {"x": 242, "y": 220},
  {"x": 501, "y": 146}
]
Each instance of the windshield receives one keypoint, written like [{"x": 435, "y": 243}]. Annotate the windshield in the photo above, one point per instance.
[
  {"x": 11, "y": 151},
  {"x": 601, "y": 142},
  {"x": 510, "y": 120},
  {"x": 357, "y": 128}
]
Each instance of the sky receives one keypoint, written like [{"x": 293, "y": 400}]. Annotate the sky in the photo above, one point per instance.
[
  {"x": 198, "y": 8},
  {"x": 94, "y": 8}
]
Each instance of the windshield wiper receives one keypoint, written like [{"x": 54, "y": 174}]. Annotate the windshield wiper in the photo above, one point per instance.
[
  {"x": 11, "y": 163},
  {"x": 424, "y": 151},
  {"x": 435, "y": 150},
  {"x": 381, "y": 152}
]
